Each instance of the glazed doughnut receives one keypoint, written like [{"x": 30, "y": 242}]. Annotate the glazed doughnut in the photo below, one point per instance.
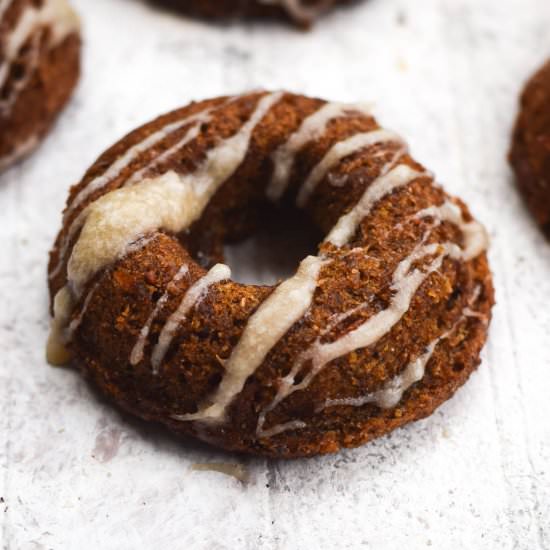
[
  {"x": 39, "y": 67},
  {"x": 530, "y": 151},
  {"x": 377, "y": 329},
  {"x": 301, "y": 12}
]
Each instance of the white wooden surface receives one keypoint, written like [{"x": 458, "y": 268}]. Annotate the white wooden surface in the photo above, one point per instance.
[{"x": 445, "y": 73}]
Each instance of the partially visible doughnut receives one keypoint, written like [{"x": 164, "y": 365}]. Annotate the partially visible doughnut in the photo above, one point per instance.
[
  {"x": 301, "y": 12},
  {"x": 39, "y": 67},
  {"x": 376, "y": 330},
  {"x": 530, "y": 151}
]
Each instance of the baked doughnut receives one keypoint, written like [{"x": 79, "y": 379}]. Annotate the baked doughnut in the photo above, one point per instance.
[
  {"x": 377, "y": 329},
  {"x": 301, "y": 12},
  {"x": 530, "y": 151},
  {"x": 39, "y": 67}
]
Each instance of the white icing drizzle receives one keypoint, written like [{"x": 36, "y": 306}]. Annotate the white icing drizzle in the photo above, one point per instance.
[
  {"x": 392, "y": 392},
  {"x": 137, "y": 351},
  {"x": 56, "y": 14},
  {"x": 385, "y": 184},
  {"x": 338, "y": 152},
  {"x": 279, "y": 428},
  {"x": 65, "y": 243},
  {"x": 77, "y": 321},
  {"x": 192, "y": 134},
  {"x": 121, "y": 217},
  {"x": 285, "y": 306},
  {"x": 313, "y": 127},
  {"x": 469, "y": 312},
  {"x": 405, "y": 285},
  {"x": 475, "y": 236},
  {"x": 62, "y": 328},
  {"x": 171, "y": 202},
  {"x": 141, "y": 242},
  {"x": 192, "y": 298},
  {"x": 130, "y": 155},
  {"x": 4, "y": 5},
  {"x": 133, "y": 152},
  {"x": 209, "y": 176},
  {"x": 116, "y": 168},
  {"x": 32, "y": 62}
]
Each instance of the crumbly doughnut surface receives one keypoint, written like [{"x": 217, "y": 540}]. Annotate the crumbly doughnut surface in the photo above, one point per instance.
[
  {"x": 300, "y": 12},
  {"x": 39, "y": 68},
  {"x": 530, "y": 151},
  {"x": 377, "y": 329}
]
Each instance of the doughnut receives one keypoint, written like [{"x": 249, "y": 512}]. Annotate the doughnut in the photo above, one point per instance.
[
  {"x": 376, "y": 329},
  {"x": 301, "y": 12},
  {"x": 530, "y": 150},
  {"x": 39, "y": 68}
]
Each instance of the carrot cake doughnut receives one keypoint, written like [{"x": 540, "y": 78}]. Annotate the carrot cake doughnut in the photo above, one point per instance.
[
  {"x": 301, "y": 12},
  {"x": 377, "y": 329},
  {"x": 530, "y": 151},
  {"x": 39, "y": 67}
]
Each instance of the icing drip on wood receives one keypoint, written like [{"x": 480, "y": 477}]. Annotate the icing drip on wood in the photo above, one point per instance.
[
  {"x": 171, "y": 202},
  {"x": 192, "y": 298},
  {"x": 278, "y": 313},
  {"x": 237, "y": 471},
  {"x": 313, "y": 127},
  {"x": 137, "y": 351},
  {"x": 57, "y": 15},
  {"x": 338, "y": 152}
]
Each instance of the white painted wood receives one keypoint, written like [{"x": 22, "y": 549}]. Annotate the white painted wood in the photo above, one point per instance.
[{"x": 444, "y": 73}]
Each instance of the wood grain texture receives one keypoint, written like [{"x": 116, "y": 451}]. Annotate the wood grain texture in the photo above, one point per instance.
[{"x": 445, "y": 74}]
